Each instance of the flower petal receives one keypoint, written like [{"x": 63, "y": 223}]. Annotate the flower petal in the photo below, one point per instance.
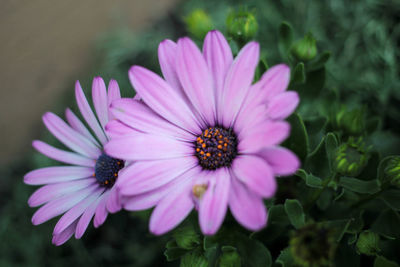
[
  {"x": 143, "y": 176},
  {"x": 63, "y": 237},
  {"x": 218, "y": 56},
  {"x": 214, "y": 203},
  {"x": 53, "y": 191},
  {"x": 61, "y": 205},
  {"x": 247, "y": 208},
  {"x": 274, "y": 81},
  {"x": 50, "y": 175},
  {"x": 174, "y": 207},
  {"x": 113, "y": 203},
  {"x": 167, "y": 54},
  {"x": 164, "y": 100},
  {"x": 282, "y": 105},
  {"x": 75, "y": 212},
  {"x": 147, "y": 147},
  {"x": 266, "y": 134},
  {"x": 113, "y": 94},
  {"x": 78, "y": 126},
  {"x": 139, "y": 116},
  {"x": 116, "y": 129},
  {"x": 70, "y": 137},
  {"x": 88, "y": 114},
  {"x": 256, "y": 174},
  {"x": 282, "y": 160},
  {"x": 196, "y": 79},
  {"x": 62, "y": 155},
  {"x": 87, "y": 215},
  {"x": 100, "y": 101},
  {"x": 101, "y": 210},
  {"x": 237, "y": 83}
]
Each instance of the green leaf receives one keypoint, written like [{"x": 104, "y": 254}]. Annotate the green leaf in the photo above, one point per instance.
[
  {"x": 352, "y": 239},
  {"x": 285, "y": 258},
  {"x": 320, "y": 61},
  {"x": 193, "y": 259},
  {"x": 391, "y": 198},
  {"x": 253, "y": 253},
  {"x": 381, "y": 261},
  {"x": 315, "y": 128},
  {"x": 360, "y": 186},
  {"x": 387, "y": 224},
  {"x": 277, "y": 214},
  {"x": 298, "y": 140},
  {"x": 356, "y": 224},
  {"x": 368, "y": 243},
  {"x": 331, "y": 144},
  {"x": 318, "y": 162},
  {"x": 285, "y": 37},
  {"x": 325, "y": 199},
  {"x": 174, "y": 253},
  {"x": 299, "y": 74},
  {"x": 294, "y": 210},
  {"x": 309, "y": 179}
]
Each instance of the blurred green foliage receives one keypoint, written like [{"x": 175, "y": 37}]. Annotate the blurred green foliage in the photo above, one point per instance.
[{"x": 351, "y": 88}]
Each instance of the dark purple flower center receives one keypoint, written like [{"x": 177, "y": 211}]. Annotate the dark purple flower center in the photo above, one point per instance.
[
  {"x": 106, "y": 170},
  {"x": 216, "y": 147}
]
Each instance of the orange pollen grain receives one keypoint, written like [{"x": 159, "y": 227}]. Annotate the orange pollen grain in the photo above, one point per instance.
[
  {"x": 203, "y": 145},
  {"x": 208, "y": 154},
  {"x": 201, "y": 152},
  {"x": 219, "y": 147},
  {"x": 197, "y": 149},
  {"x": 115, "y": 174}
]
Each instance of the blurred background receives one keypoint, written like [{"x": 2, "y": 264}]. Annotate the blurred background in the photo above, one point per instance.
[{"x": 45, "y": 47}]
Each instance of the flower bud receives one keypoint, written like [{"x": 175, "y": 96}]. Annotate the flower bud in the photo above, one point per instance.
[
  {"x": 313, "y": 245},
  {"x": 229, "y": 257},
  {"x": 351, "y": 122},
  {"x": 242, "y": 25},
  {"x": 306, "y": 48},
  {"x": 351, "y": 157},
  {"x": 198, "y": 23},
  {"x": 367, "y": 243},
  {"x": 392, "y": 170},
  {"x": 186, "y": 237}
]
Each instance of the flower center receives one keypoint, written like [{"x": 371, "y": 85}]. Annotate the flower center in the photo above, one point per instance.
[
  {"x": 106, "y": 170},
  {"x": 216, "y": 147}
]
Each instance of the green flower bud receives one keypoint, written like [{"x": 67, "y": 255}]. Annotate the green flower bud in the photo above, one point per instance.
[
  {"x": 230, "y": 257},
  {"x": 313, "y": 245},
  {"x": 242, "y": 25},
  {"x": 186, "y": 237},
  {"x": 392, "y": 170},
  {"x": 352, "y": 122},
  {"x": 351, "y": 157},
  {"x": 306, "y": 48},
  {"x": 368, "y": 243},
  {"x": 194, "y": 259},
  {"x": 198, "y": 23}
]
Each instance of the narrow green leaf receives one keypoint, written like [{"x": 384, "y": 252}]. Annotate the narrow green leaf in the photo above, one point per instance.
[
  {"x": 299, "y": 74},
  {"x": 294, "y": 210},
  {"x": 360, "y": 186},
  {"x": 387, "y": 224},
  {"x": 277, "y": 214},
  {"x": 309, "y": 179},
  {"x": 285, "y": 35},
  {"x": 298, "y": 140},
  {"x": 174, "y": 253},
  {"x": 331, "y": 143},
  {"x": 381, "y": 261},
  {"x": 320, "y": 61},
  {"x": 194, "y": 259},
  {"x": 391, "y": 199}
]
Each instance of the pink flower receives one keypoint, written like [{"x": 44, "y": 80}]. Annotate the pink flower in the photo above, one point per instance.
[
  {"x": 84, "y": 188},
  {"x": 204, "y": 137}
]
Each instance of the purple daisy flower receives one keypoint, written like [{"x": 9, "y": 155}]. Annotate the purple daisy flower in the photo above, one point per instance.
[
  {"x": 204, "y": 137},
  {"x": 84, "y": 188}
]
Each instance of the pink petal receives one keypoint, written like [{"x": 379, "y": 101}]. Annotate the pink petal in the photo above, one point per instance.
[
  {"x": 143, "y": 176},
  {"x": 113, "y": 203},
  {"x": 100, "y": 101},
  {"x": 50, "y": 175},
  {"x": 113, "y": 94},
  {"x": 88, "y": 114},
  {"x": 218, "y": 56},
  {"x": 70, "y": 137},
  {"x": 266, "y": 134},
  {"x": 61, "y": 205},
  {"x": 101, "y": 210},
  {"x": 281, "y": 160},
  {"x": 116, "y": 129},
  {"x": 53, "y": 191},
  {"x": 282, "y": 105},
  {"x": 86, "y": 217},
  {"x": 174, "y": 207},
  {"x": 214, "y": 203},
  {"x": 163, "y": 98},
  {"x": 75, "y": 212},
  {"x": 274, "y": 81},
  {"x": 78, "y": 126},
  {"x": 63, "y": 237},
  {"x": 256, "y": 174},
  {"x": 249, "y": 118},
  {"x": 139, "y": 116},
  {"x": 237, "y": 82},
  {"x": 147, "y": 147},
  {"x": 61, "y": 155},
  {"x": 167, "y": 54},
  {"x": 196, "y": 79},
  {"x": 247, "y": 208}
]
